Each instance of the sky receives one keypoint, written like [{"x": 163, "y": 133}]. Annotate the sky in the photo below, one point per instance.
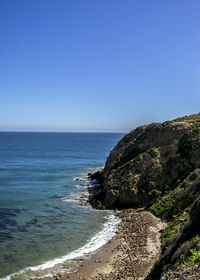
[{"x": 97, "y": 65}]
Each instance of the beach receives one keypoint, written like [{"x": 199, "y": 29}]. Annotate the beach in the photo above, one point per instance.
[{"x": 130, "y": 254}]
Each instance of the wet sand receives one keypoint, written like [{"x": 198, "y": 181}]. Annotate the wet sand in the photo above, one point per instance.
[{"x": 129, "y": 255}]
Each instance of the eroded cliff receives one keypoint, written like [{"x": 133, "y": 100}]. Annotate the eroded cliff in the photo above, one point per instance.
[{"x": 156, "y": 166}]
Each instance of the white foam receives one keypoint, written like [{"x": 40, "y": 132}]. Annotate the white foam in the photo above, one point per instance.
[
  {"x": 81, "y": 179},
  {"x": 76, "y": 198},
  {"x": 101, "y": 238}
]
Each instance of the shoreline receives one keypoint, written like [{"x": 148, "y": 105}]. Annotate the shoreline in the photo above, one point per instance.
[{"x": 130, "y": 254}]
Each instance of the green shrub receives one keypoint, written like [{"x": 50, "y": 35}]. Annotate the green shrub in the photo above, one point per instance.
[
  {"x": 163, "y": 204},
  {"x": 193, "y": 259},
  {"x": 155, "y": 193}
]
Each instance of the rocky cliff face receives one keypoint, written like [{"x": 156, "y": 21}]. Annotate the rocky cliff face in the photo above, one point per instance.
[
  {"x": 146, "y": 160},
  {"x": 157, "y": 166}
]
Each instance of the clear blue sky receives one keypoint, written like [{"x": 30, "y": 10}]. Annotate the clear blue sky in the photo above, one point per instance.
[{"x": 97, "y": 65}]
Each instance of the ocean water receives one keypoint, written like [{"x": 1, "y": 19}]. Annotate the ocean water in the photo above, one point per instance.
[{"x": 45, "y": 222}]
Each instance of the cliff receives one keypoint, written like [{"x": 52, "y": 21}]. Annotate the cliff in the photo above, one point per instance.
[{"x": 156, "y": 166}]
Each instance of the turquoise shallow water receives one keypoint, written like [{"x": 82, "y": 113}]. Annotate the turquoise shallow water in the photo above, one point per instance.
[{"x": 42, "y": 180}]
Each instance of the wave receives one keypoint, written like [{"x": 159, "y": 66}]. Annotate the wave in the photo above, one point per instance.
[
  {"x": 81, "y": 179},
  {"x": 81, "y": 198},
  {"x": 52, "y": 267},
  {"x": 49, "y": 268}
]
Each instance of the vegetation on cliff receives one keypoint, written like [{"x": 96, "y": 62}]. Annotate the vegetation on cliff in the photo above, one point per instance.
[{"x": 156, "y": 166}]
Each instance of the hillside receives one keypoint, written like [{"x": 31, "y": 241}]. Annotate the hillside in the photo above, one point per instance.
[{"x": 157, "y": 167}]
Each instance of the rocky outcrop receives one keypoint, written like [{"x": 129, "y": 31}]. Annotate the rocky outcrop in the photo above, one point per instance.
[
  {"x": 146, "y": 160},
  {"x": 156, "y": 166}
]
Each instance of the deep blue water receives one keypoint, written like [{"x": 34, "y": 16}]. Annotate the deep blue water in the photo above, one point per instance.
[{"x": 40, "y": 214}]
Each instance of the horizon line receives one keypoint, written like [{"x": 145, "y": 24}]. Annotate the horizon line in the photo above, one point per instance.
[{"x": 35, "y": 131}]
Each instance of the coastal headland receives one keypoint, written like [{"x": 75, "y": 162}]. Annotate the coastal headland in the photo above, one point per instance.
[{"x": 152, "y": 179}]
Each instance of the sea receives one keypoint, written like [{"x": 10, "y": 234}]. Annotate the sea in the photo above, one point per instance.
[{"x": 46, "y": 223}]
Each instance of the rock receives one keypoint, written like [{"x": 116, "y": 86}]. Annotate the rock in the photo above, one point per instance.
[
  {"x": 97, "y": 175},
  {"x": 146, "y": 160},
  {"x": 157, "y": 167}
]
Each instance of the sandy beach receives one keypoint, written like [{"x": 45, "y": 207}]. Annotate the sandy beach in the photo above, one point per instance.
[{"x": 129, "y": 255}]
